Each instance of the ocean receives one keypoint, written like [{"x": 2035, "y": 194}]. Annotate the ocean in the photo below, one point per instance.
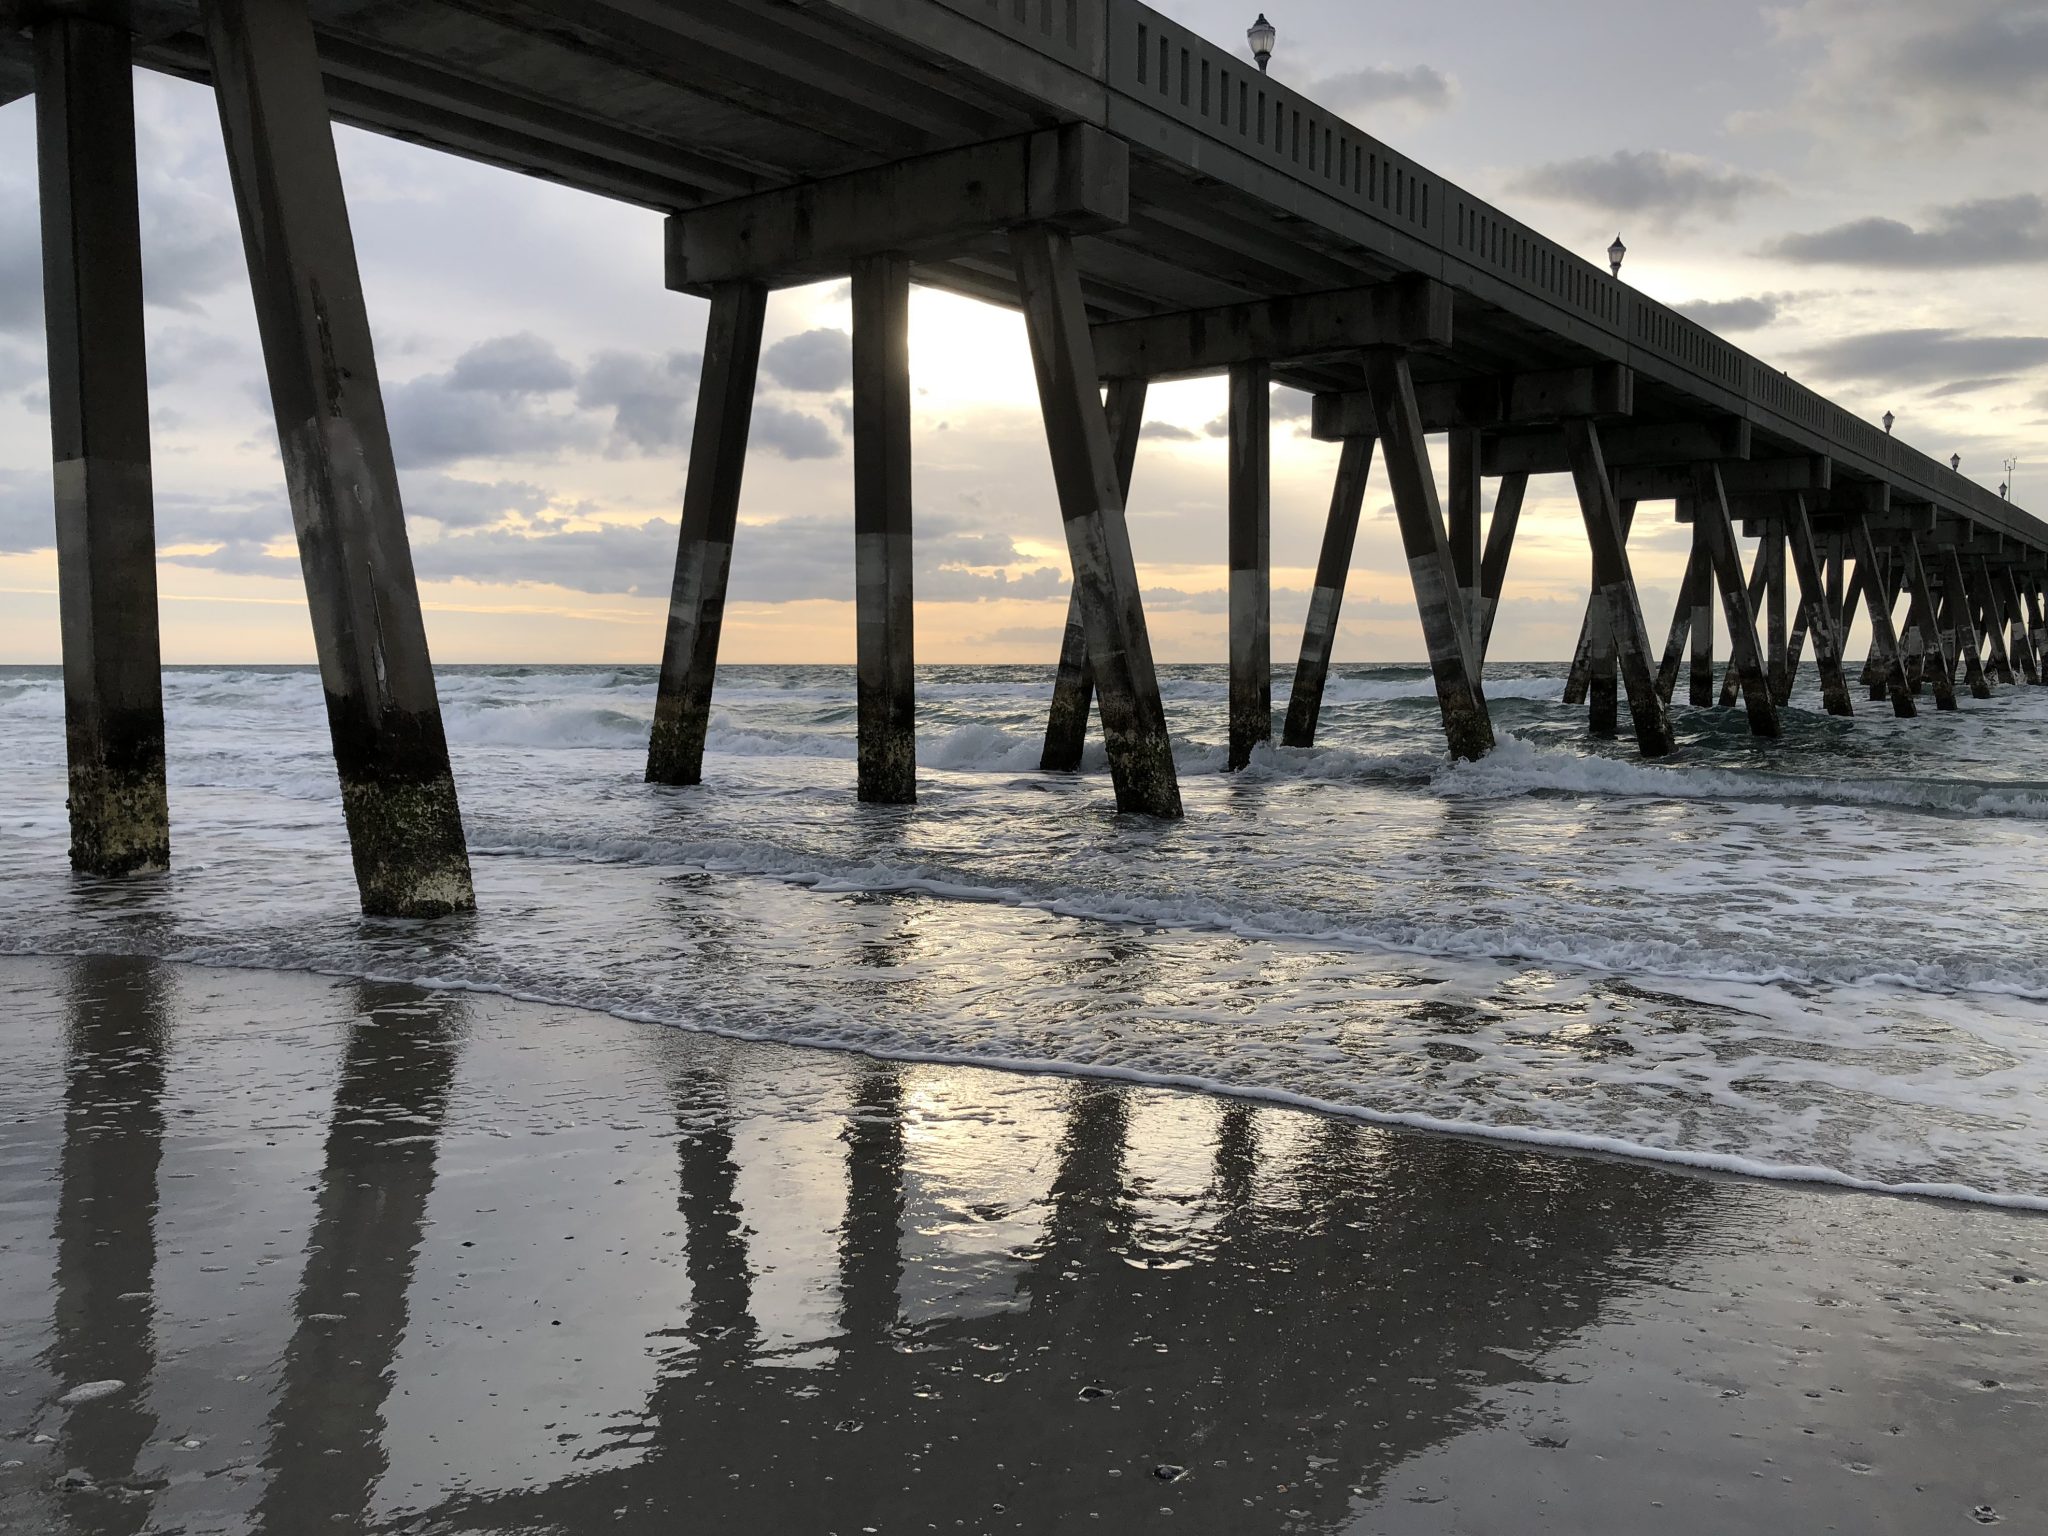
[{"x": 1818, "y": 958}]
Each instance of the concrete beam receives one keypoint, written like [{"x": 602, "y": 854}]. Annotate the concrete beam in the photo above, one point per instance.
[
  {"x": 885, "y": 676},
  {"x": 1333, "y": 566},
  {"x": 1607, "y": 389},
  {"x": 1677, "y": 442},
  {"x": 1074, "y": 179},
  {"x": 1758, "y": 477},
  {"x": 1408, "y": 312},
  {"x": 1251, "y": 560}
]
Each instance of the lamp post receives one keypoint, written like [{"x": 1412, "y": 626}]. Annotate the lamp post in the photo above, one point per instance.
[
  {"x": 1955, "y": 462},
  {"x": 1889, "y": 418},
  {"x": 1614, "y": 254},
  {"x": 1261, "y": 34}
]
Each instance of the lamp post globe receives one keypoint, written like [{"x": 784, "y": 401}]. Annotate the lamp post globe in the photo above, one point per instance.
[
  {"x": 1955, "y": 462},
  {"x": 1889, "y": 418},
  {"x": 1260, "y": 34},
  {"x": 1614, "y": 254}
]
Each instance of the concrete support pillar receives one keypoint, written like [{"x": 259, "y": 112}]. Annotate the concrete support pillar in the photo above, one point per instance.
[
  {"x": 2007, "y": 586},
  {"x": 1604, "y": 644},
  {"x": 1771, "y": 551},
  {"x": 1620, "y": 640},
  {"x": 1821, "y": 618},
  {"x": 711, "y": 505},
  {"x": 1993, "y": 621},
  {"x": 1333, "y": 565},
  {"x": 1966, "y": 644},
  {"x": 1092, "y": 507},
  {"x": 1073, "y": 689},
  {"x": 1884, "y": 640},
  {"x": 1700, "y": 690},
  {"x": 1467, "y": 726},
  {"x": 1251, "y": 560},
  {"x": 1681, "y": 621},
  {"x": 885, "y": 652},
  {"x": 1759, "y": 582},
  {"x": 1920, "y": 630},
  {"x": 1942, "y": 672},
  {"x": 2037, "y": 628},
  {"x": 1500, "y": 543},
  {"x": 398, "y": 795},
  {"x": 1461, "y": 512},
  {"x": 99, "y": 438},
  {"x": 1710, "y": 506}
]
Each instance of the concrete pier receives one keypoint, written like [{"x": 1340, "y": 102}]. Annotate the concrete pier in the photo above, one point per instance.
[
  {"x": 1940, "y": 670},
  {"x": 886, "y": 681},
  {"x": 1462, "y": 528},
  {"x": 1500, "y": 543},
  {"x": 1333, "y": 566},
  {"x": 405, "y": 831},
  {"x": 1886, "y": 658},
  {"x": 99, "y": 438},
  {"x": 2004, "y": 584},
  {"x": 711, "y": 504},
  {"x": 1991, "y": 620},
  {"x": 1073, "y": 689},
  {"x": 1819, "y": 610},
  {"x": 1251, "y": 560},
  {"x": 1966, "y": 642},
  {"x": 1092, "y": 508}
]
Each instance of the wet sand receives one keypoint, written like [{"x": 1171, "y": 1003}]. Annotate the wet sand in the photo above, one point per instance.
[{"x": 363, "y": 1257}]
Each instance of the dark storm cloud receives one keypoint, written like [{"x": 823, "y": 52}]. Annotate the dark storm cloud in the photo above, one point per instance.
[
  {"x": 512, "y": 365},
  {"x": 1986, "y": 232},
  {"x": 817, "y": 361},
  {"x": 1360, "y": 90},
  {"x": 1924, "y": 356},
  {"x": 1724, "y": 315},
  {"x": 1644, "y": 181}
]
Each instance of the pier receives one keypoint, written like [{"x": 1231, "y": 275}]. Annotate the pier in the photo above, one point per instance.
[{"x": 1155, "y": 206}]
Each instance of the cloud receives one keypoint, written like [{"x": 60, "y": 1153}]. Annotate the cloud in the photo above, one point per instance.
[
  {"x": 459, "y": 504},
  {"x": 818, "y": 362},
  {"x": 1723, "y": 315},
  {"x": 1166, "y": 432},
  {"x": 1420, "y": 87},
  {"x": 434, "y": 421},
  {"x": 1923, "y": 356},
  {"x": 625, "y": 558},
  {"x": 1967, "y": 386},
  {"x": 649, "y": 397},
  {"x": 792, "y": 434},
  {"x": 512, "y": 365},
  {"x": 1985, "y": 232},
  {"x": 28, "y": 519},
  {"x": 1653, "y": 182}
]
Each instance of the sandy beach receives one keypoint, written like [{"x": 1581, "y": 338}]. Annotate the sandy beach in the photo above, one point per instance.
[{"x": 361, "y": 1256}]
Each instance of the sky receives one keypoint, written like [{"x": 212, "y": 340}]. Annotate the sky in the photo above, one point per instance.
[{"x": 1852, "y": 190}]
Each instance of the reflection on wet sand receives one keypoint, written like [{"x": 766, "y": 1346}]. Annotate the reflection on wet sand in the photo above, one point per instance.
[{"x": 1216, "y": 1317}]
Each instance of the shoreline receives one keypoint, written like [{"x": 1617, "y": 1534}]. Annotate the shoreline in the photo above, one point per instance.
[
  {"x": 394, "y": 1258},
  {"x": 1714, "y": 1164}
]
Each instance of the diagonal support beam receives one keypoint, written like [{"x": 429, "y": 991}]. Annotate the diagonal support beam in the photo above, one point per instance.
[
  {"x": 1500, "y": 543},
  {"x": 1884, "y": 639},
  {"x": 1614, "y": 589},
  {"x": 1965, "y": 642},
  {"x": 1092, "y": 508},
  {"x": 1710, "y": 505},
  {"x": 1073, "y": 690},
  {"x": 1942, "y": 673},
  {"x": 1333, "y": 567},
  {"x": 1681, "y": 620},
  {"x": 711, "y": 505},
  {"x": 2007, "y": 586},
  {"x": 1993, "y": 620},
  {"x": 390, "y": 750},
  {"x": 1427, "y": 548},
  {"x": 1579, "y": 681},
  {"x": 1820, "y": 617}
]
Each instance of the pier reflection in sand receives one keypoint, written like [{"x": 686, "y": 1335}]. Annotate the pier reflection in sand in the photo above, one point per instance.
[{"x": 552, "y": 1272}]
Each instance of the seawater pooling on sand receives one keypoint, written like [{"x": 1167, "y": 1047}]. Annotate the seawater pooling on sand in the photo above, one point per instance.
[{"x": 1814, "y": 957}]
